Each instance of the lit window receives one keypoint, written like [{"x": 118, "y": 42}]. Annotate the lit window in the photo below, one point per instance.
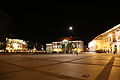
[{"x": 118, "y": 37}]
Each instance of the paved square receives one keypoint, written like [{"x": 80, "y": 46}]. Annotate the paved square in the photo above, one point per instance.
[
  {"x": 115, "y": 73},
  {"x": 60, "y": 67},
  {"x": 34, "y": 63},
  {"x": 6, "y": 68},
  {"x": 27, "y": 75},
  {"x": 91, "y": 62},
  {"x": 74, "y": 70}
]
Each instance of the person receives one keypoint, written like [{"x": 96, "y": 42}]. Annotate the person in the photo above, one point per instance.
[
  {"x": 115, "y": 51},
  {"x": 77, "y": 53}
]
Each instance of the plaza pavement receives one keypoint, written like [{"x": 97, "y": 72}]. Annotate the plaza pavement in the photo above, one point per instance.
[{"x": 60, "y": 67}]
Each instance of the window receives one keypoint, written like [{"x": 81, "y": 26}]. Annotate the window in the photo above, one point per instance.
[
  {"x": 7, "y": 45},
  {"x": 119, "y": 37},
  {"x": 110, "y": 39},
  {"x": 114, "y": 40}
]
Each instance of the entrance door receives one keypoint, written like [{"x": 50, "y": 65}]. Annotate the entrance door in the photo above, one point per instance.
[{"x": 115, "y": 49}]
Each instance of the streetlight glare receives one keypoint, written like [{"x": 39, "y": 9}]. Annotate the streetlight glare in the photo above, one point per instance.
[{"x": 70, "y": 28}]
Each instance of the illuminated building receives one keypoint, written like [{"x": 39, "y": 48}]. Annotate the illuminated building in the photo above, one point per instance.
[
  {"x": 54, "y": 46},
  {"x": 1, "y": 47},
  {"x": 57, "y": 46},
  {"x": 15, "y": 45},
  {"x": 49, "y": 47},
  {"x": 108, "y": 41},
  {"x": 78, "y": 44}
]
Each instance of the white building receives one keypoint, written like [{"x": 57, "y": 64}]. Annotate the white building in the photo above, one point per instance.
[
  {"x": 57, "y": 46},
  {"x": 15, "y": 45},
  {"x": 49, "y": 47},
  {"x": 108, "y": 41}
]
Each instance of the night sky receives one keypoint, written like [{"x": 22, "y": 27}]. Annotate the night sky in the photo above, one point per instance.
[{"x": 47, "y": 22}]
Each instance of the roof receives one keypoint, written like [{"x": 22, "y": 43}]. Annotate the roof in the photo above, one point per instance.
[
  {"x": 108, "y": 31},
  {"x": 68, "y": 38}
]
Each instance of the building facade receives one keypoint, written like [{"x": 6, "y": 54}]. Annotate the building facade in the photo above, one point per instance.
[
  {"x": 15, "y": 45},
  {"x": 49, "y": 47},
  {"x": 58, "y": 46},
  {"x": 108, "y": 41}
]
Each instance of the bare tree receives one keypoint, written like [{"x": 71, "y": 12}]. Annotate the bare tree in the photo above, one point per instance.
[{"x": 6, "y": 27}]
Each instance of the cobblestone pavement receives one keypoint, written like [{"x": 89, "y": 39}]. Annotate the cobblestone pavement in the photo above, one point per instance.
[{"x": 60, "y": 67}]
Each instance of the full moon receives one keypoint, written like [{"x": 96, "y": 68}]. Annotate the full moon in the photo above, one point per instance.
[{"x": 70, "y": 28}]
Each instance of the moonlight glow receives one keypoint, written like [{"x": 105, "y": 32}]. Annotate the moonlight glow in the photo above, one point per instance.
[{"x": 70, "y": 28}]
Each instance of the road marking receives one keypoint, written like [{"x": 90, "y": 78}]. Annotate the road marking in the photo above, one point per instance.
[{"x": 104, "y": 75}]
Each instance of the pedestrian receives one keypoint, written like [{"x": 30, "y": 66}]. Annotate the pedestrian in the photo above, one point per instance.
[
  {"x": 77, "y": 53},
  {"x": 115, "y": 52}
]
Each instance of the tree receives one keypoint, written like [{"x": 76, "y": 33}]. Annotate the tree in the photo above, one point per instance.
[
  {"x": 1, "y": 46},
  {"x": 63, "y": 48},
  {"x": 6, "y": 23},
  {"x": 30, "y": 45},
  {"x": 69, "y": 47},
  {"x": 6, "y": 27},
  {"x": 38, "y": 45},
  {"x": 4, "y": 41}
]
